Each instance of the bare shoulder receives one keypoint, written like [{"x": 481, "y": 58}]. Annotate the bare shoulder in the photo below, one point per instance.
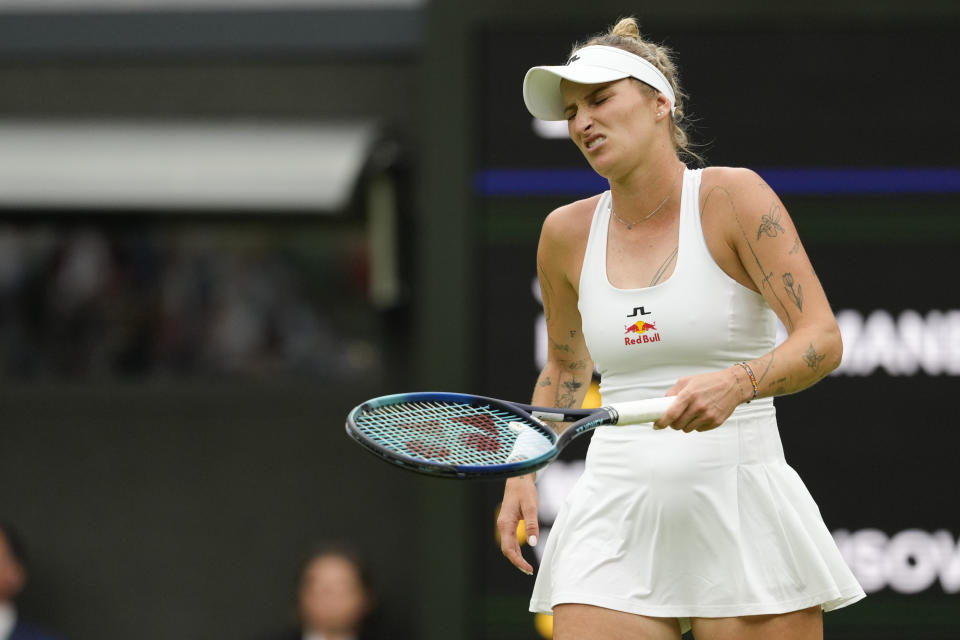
[
  {"x": 738, "y": 208},
  {"x": 563, "y": 240},
  {"x": 569, "y": 226},
  {"x": 572, "y": 218},
  {"x": 734, "y": 187}
]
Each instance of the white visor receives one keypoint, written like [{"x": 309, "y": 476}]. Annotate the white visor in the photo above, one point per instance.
[{"x": 595, "y": 64}]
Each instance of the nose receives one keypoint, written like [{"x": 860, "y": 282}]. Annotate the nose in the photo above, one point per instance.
[{"x": 582, "y": 122}]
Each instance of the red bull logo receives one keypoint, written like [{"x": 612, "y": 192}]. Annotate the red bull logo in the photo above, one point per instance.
[{"x": 641, "y": 329}]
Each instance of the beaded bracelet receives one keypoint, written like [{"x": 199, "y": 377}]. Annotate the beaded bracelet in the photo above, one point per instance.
[{"x": 753, "y": 380}]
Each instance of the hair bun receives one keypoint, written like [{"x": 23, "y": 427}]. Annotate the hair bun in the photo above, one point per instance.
[{"x": 626, "y": 28}]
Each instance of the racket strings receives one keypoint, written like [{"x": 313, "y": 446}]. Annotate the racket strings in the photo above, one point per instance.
[{"x": 444, "y": 432}]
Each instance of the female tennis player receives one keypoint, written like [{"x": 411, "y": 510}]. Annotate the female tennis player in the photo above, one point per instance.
[{"x": 671, "y": 283}]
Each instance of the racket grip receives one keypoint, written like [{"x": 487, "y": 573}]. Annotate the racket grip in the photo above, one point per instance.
[{"x": 647, "y": 410}]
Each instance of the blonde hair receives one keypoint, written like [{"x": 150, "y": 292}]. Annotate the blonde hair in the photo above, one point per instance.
[{"x": 626, "y": 35}]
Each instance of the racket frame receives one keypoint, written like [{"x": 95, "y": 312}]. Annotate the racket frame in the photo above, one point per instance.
[{"x": 536, "y": 417}]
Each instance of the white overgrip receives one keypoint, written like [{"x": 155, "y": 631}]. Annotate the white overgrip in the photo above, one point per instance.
[{"x": 648, "y": 410}]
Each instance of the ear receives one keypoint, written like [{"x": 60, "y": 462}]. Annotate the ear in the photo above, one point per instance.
[{"x": 661, "y": 106}]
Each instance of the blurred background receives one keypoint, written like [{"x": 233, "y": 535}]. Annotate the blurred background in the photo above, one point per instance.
[{"x": 224, "y": 223}]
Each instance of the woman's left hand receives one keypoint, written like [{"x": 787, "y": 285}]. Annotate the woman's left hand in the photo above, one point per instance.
[{"x": 703, "y": 402}]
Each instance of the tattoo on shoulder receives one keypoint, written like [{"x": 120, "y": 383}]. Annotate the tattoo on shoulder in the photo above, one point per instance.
[
  {"x": 812, "y": 358},
  {"x": 770, "y": 223},
  {"x": 794, "y": 290}
]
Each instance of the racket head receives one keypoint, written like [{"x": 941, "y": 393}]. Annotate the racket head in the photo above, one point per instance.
[{"x": 453, "y": 435}]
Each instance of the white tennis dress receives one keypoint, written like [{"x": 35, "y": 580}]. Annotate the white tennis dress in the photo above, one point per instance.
[{"x": 671, "y": 524}]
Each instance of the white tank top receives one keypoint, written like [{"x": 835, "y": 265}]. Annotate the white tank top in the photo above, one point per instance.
[{"x": 698, "y": 320}]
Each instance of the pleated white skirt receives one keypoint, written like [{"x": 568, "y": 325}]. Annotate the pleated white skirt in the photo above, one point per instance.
[{"x": 707, "y": 524}]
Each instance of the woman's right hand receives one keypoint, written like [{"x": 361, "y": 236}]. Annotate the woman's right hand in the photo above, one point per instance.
[{"x": 519, "y": 503}]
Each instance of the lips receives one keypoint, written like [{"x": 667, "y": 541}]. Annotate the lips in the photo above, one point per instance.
[{"x": 594, "y": 141}]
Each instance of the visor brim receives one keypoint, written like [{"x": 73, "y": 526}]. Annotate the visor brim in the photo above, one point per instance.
[{"x": 541, "y": 86}]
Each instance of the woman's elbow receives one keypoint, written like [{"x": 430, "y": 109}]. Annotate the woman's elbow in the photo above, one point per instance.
[{"x": 833, "y": 347}]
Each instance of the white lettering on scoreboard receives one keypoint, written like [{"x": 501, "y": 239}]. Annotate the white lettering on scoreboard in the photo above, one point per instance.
[
  {"x": 905, "y": 345},
  {"x": 910, "y": 561}
]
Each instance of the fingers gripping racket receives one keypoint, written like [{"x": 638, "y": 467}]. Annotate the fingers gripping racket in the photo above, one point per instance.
[{"x": 457, "y": 435}]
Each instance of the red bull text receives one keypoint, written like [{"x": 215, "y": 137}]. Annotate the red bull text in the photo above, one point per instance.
[{"x": 641, "y": 328}]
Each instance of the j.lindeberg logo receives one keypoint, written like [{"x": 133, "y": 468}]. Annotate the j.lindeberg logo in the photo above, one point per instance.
[
  {"x": 645, "y": 332},
  {"x": 573, "y": 59}
]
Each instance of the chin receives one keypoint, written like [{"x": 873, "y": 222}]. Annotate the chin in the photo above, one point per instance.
[{"x": 603, "y": 169}]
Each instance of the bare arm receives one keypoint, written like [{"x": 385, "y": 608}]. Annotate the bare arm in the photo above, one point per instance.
[
  {"x": 761, "y": 235},
  {"x": 564, "y": 380},
  {"x": 774, "y": 257}
]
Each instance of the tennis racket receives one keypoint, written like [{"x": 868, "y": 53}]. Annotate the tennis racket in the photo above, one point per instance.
[{"x": 457, "y": 435}]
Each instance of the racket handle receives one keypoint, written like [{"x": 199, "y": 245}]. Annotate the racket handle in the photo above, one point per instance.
[{"x": 647, "y": 410}]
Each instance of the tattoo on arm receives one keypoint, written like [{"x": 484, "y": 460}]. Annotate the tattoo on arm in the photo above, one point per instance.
[
  {"x": 794, "y": 290},
  {"x": 546, "y": 291},
  {"x": 545, "y": 382},
  {"x": 766, "y": 369},
  {"x": 796, "y": 246},
  {"x": 567, "y": 396},
  {"x": 764, "y": 275},
  {"x": 560, "y": 347},
  {"x": 780, "y": 388},
  {"x": 770, "y": 223},
  {"x": 664, "y": 267},
  {"x": 812, "y": 358}
]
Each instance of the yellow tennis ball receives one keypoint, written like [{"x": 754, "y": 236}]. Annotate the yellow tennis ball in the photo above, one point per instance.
[
  {"x": 543, "y": 622},
  {"x": 592, "y": 400}
]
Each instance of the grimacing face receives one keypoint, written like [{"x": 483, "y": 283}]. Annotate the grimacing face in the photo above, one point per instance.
[
  {"x": 612, "y": 123},
  {"x": 332, "y": 596}
]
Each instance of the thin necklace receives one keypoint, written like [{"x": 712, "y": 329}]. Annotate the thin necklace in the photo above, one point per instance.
[{"x": 649, "y": 215}]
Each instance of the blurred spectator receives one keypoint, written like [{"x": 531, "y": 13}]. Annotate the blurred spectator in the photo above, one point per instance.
[
  {"x": 99, "y": 301},
  {"x": 13, "y": 577},
  {"x": 335, "y": 599}
]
